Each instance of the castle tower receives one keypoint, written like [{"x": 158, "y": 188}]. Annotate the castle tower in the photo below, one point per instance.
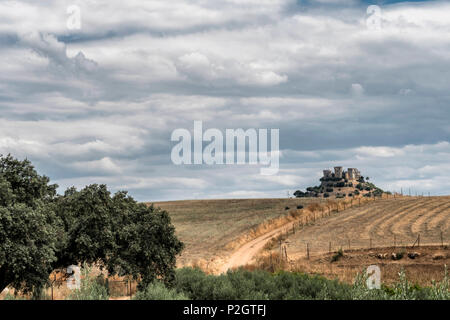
[
  {"x": 352, "y": 173},
  {"x": 326, "y": 173},
  {"x": 338, "y": 172}
]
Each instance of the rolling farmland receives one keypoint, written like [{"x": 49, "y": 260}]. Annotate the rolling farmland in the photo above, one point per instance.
[
  {"x": 382, "y": 223},
  {"x": 208, "y": 227}
]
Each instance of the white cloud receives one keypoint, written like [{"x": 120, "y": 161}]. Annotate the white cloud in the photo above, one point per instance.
[{"x": 99, "y": 104}]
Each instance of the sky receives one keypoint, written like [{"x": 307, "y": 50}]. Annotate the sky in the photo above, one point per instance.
[{"x": 98, "y": 104}]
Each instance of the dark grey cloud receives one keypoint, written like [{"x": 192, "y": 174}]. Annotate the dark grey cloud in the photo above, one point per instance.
[{"x": 98, "y": 105}]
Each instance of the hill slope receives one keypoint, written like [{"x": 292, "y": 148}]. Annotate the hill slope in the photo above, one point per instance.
[
  {"x": 208, "y": 227},
  {"x": 384, "y": 221}
]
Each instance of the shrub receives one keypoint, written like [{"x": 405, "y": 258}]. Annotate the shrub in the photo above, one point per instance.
[
  {"x": 329, "y": 189},
  {"x": 337, "y": 256},
  {"x": 158, "y": 291},
  {"x": 10, "y": 296},
  {"x": 260, "y": 285},
  {"x": 91, "y": 288},
  {"x": 300, "y": 206},
  {"x": 398, "y": 255}
]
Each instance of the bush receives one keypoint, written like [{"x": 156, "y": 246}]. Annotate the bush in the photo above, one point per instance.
[
  {"x": 329, "y": 189},
  {"x": 10, "y": 296},
  {"x": 261, "y": 285},
  {"x": 257, "y": 285},
  {"x": 158, "y": 291},
  {"x": 300, "y": 206},
  {"x": 337, "y": 256},
  {"x": 91, "y": 288}
]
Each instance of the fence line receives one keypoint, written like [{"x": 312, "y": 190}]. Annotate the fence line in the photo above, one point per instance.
[{"x": 417, "y": 242}]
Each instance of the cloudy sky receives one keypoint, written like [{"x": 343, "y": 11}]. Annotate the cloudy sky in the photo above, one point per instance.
[{"x": 345, "y": 87}]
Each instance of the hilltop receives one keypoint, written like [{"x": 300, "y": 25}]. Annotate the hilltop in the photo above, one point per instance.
[{"x": 341, "y": 184}]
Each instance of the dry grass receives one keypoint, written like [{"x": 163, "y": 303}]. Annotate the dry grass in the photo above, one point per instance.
[
  {"x": 212, "y": 228},
  {"x": 381, "y": 223},
  {"x": 421, "y": 270}
]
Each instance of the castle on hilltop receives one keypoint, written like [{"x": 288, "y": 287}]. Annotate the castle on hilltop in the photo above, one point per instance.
[
  {"x": 341, "y": 184},
  {"x": 339, "y": 173}
]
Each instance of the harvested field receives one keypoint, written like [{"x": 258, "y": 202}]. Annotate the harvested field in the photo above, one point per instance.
[
  {"x": 382, "y": 223},
  {"x": 421, "y": 270},
  {"x": 209, "y": 227}
]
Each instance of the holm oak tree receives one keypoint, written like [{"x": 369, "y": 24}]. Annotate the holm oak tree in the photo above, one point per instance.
[{"x": 41, "y": 231}]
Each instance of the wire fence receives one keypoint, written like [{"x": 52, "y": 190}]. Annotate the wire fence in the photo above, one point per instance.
[{"x": 116, "y": 288}]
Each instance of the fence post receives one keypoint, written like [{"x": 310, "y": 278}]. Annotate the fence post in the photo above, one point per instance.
[
  {"x": 329, "y": 247},
  {"x": 54, "y": 281},
  {"x": 418, "y": 240},
  {"x": 348, "y": 244},
  {"x": 395, "y": 242},
  {"x": 370, "y": 243},
  {"x": 442, "y": 240},
  {"x": 307, "y": 251}
]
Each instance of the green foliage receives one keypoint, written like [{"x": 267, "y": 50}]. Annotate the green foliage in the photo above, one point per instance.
[
  {"x": 300, "y": 194},
  {"x": 29, "y": 228},
  {"x": 10, "y": 296},
  {"x": 398, "y": 255},
  {"x": 260, "y": 285},
  {"x": 120, "y": 234},
  {"x": 337, "y": 256},
  {"x": 41, "y": 232},
  {"x": 441, "y": 290},
  {"x": 91, "y": 288},
  {"x": 158, "y": 291}
]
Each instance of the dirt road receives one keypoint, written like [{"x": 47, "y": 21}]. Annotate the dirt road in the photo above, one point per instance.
[{"x": 245, "y": 254}]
